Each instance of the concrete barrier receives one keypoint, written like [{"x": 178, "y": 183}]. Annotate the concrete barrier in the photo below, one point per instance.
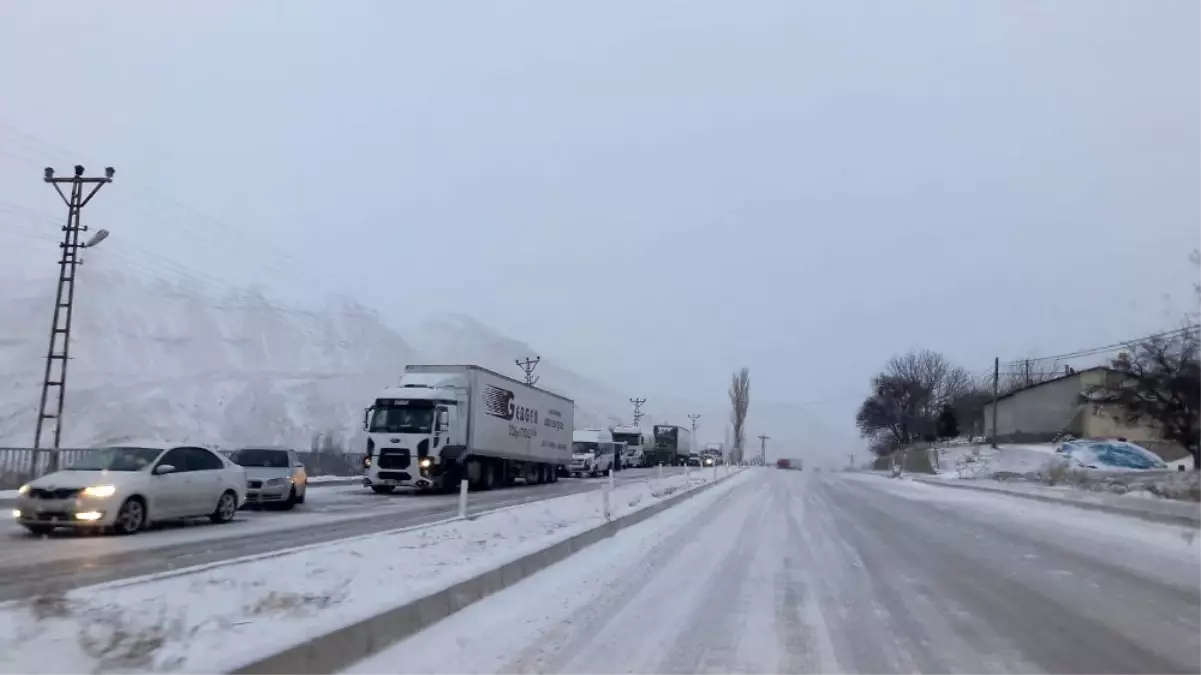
[{"x": 345, "y": 646}]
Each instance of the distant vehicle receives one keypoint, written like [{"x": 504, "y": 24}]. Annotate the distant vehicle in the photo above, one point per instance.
[
  {"x": 443, "y": 424},
  {"x": 710, "y": 459},
  {"x": 635, "y": 444},
  {"x": 783, "y": 464},
  {"x": 619, "y": 455},
  {"x": 274, "y": 476},
  {"x": 672, "y": 445},
  {"x": 123, "y": 489},
  {"x": 694, "y": 459},
  {"x": 592, "y": 452}
]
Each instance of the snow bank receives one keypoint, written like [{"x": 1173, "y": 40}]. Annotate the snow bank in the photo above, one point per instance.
[
  {"x": 978, "y": 461},
  {"x": 215, "y": 618}
]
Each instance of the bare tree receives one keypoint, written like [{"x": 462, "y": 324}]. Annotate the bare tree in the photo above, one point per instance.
[
  {"x": 1029, "y": 372},
  {"x": 1159, "y": 382},
  {"x": 740, "y": 402},
  {"x": 908, "y": 397}
]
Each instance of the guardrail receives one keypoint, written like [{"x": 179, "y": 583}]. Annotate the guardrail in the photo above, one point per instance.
[{"x": 21, "y": 465}]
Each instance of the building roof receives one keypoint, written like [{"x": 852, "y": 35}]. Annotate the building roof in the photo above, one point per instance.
[{"x": 1065, "y": 376}]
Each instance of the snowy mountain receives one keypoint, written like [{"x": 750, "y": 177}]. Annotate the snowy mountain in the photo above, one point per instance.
[
  {"x": 171, "y": 360},
  {"x": 167, "y": 360}
]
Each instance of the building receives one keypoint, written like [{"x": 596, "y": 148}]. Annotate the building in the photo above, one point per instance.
[{"x": 1063, "y": 405}]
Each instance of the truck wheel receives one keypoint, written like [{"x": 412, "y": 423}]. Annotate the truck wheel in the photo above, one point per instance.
[{"x": 488, "y": 476}]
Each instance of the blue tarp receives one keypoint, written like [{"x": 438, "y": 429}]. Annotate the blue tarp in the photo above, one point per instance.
[{"x": 1111, "y": 455}]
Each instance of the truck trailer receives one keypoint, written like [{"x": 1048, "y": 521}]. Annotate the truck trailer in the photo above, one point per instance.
[
  {"x": 445, "y": 423},
  {"x": 672, "y": 446}
]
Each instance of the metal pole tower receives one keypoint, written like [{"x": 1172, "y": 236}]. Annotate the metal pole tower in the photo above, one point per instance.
[
  {"x": 763, "y": 448},
  {"x": 528, "y": 366},
  {"x": 59, "y": 352},
  {"x": 694, "y": 418},
  {"x": 638, "y": 409}
]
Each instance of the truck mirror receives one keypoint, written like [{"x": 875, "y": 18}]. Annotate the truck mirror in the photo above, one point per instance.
[
  {"x": 366, "y": 418},
  {"x": 443, "y": 419}
]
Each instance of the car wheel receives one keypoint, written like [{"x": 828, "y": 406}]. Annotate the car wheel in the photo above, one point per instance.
[
  {"x": 40, "y": 530},
  {"x": 227, "y": 506},
  {"x": 291, "y": 502},
  {"x": 131, "y": 517},
  {"x": 382, "y": 489}
]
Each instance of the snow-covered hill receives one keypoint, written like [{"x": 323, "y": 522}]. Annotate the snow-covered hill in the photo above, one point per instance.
[
  {"x": 164, "y": 360},
  {"x": 158, "y": 359}
]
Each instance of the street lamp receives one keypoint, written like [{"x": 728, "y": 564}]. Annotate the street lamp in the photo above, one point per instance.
[{"x": 100, "y": 236}]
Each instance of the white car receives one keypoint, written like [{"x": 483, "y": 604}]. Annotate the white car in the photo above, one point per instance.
[{"x": 123, "y": 489}]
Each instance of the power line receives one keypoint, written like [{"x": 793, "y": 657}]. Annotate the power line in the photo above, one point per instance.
[{"x": 1092, "y": 351}]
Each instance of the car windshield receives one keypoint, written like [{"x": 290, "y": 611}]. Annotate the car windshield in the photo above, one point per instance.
[
  {"x": 582, "y": 447},
  {"x": 116, "y": 459},
  {"x": 268, "y": 459},
  {"x": 402, "y": 419}
]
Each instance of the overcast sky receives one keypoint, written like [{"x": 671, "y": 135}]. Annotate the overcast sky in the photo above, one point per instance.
[{"x": 654, "y": 192}]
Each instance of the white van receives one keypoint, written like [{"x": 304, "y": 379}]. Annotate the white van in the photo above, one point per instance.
[{"x": 592, "y": 452}]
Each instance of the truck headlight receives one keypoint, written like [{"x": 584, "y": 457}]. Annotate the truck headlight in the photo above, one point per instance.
[
  {"x": 23, "y": 490},
  {"x": 425, "y": 462},
  {"x": 100, "y": 491}
]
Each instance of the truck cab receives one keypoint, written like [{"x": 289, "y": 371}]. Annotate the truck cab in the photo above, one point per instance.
[
  {"x": 634, "y": 453},
  {"x": 415, "y": 434}
]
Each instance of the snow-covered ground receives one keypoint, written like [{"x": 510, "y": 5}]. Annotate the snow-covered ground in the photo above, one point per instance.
[
  {"x": 796, "y": 572},
  {"x": 979, "y": 461},
  {"x": 214, "y": 618}
]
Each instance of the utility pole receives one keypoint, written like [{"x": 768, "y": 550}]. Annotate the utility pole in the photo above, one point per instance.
[
  {"x": 1027, "y": 372},
  {"x": 996, "y": 389},
  {"x": 694, "y": 418},
  {"x": 528, "y": 367},
  {"x": 638, "y": 409},
  {"x": 763, "y": 448},
  {"x": 64, "y": 300}
]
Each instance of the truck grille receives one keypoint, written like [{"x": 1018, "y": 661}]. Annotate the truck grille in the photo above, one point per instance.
[{"x": 392, "y": 458}]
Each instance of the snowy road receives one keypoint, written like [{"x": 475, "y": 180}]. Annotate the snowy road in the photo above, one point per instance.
[
  {"x": 794, "y": 572},
  {"x": 31, "y": 566}
]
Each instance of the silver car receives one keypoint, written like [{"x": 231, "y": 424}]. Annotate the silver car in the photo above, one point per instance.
[{"x": 274, "y": 476}]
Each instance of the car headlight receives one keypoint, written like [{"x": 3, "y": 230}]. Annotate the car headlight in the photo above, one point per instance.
[
  {"x": 100, "y": 491},
  {"x": 23, "y": 489},
  {"x": 277, "y": 481}
]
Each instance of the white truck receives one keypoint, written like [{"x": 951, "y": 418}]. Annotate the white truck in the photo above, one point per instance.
[
  {"x": 632, "y": 436},
  {"x": 592, "y": 452},
  {"x": 442, "y": 424}
]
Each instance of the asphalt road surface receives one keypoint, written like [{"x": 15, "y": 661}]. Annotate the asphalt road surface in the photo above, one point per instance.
[
  {"x": 786, "y": 571},
  {"x": 31, "y": 566}
]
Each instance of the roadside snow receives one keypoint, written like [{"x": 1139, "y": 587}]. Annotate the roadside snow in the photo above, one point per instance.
[
  {"x": 977, "y": 461},
  {"x": 217, "y": 618},
  {"x": 317, "y": 480},
  {"x": 659, "y": 566}
]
